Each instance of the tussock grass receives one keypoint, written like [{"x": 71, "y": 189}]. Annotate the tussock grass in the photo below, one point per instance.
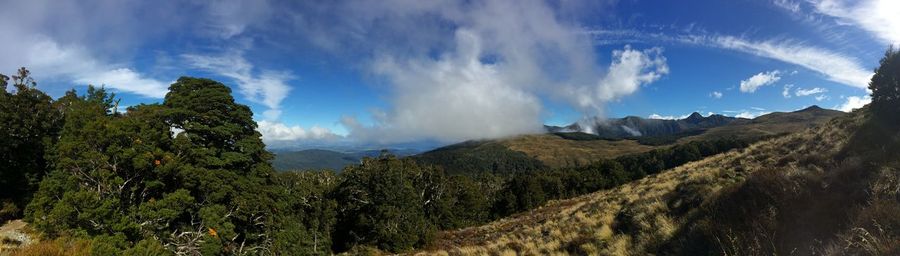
[{"x": 643, "y": 216}]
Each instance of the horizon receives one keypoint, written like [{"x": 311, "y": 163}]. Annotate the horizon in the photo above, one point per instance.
[{"x": 407, "y": 73}]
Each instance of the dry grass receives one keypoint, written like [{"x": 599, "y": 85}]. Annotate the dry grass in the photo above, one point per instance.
[
  {"x": 635, "y": 218},
  {"x": 554, "y": 151},
  {"x": 58, "y": 247}
]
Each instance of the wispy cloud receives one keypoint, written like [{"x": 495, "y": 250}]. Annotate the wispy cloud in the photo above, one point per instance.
[
  {"x": 806, "y": 92},
  {"x": 762, "y": 79},
  {"x": 266, "y": 87},
  {"x": 833, "y": 66},
  {"x": 836, "y": 67},
  {"x": 715, "y": 95},
  {"x": 878, "y": 17},
  {"x": 789, "y": 5}
]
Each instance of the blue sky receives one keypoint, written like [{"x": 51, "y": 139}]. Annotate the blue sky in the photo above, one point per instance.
[{"x": 398, "y": 71}]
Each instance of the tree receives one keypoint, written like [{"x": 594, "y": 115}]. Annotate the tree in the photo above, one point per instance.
[
  {"x": 885, "y": 85},
  {"x": 30, "y": 125},
  {"x": 208, "y": 189},
  {"x": 384, "y": 202}
]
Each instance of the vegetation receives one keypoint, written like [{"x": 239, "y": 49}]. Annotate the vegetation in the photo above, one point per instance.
[
  {"x": 475, "y": 157},
  {"x": 192, "y": 176},
  {"x": 31, "y": 123},
  {"x": 885, "y": 86}
]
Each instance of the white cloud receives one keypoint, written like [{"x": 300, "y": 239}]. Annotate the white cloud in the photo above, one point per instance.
[
  {"x": 46, "y": 58},
  {"x": 786, "y": 93},
  {"x": 277, "y": 132},
  {"x": 268, "y": 88},
  {"x": 716, "y": 95},
  {"x": 822, "y": 97},
  {"x": 806, "y": 92},
  {"x": 854, "y": 102},
  {"x": 630, "y": 69},
  {"x": 788, "y": 5},
  {"x": 836, "y": 67},
  {"x": 762, "y": 79},
  {"x": 661, "y": 117},
  {"x": 751, "y": 114},
  {"x": 878, "y": 17},
  {"x": 469, "y": 70}
]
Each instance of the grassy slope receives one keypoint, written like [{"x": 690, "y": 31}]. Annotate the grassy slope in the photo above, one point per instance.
[
  {"x": 643, "y": 215},
  {"x": 554, "y": 151}
]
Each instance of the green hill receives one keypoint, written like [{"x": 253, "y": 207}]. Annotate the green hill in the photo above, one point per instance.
[{"x": 313, "y": 159}]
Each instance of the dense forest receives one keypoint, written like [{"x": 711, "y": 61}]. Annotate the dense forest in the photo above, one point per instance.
[{"x": 191, "y": 175}]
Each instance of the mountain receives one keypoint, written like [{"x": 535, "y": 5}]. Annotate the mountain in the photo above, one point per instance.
[
  {"x": 567, "y": 146},
  {"x": 632, "y": 126},
  {"x": 316, "y": 159},
  {"x": 829, "y": 189}
]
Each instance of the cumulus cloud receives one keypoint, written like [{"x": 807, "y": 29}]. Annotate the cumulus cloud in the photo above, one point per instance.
[
  {"x": 786, "y": 93},
  {"x": 806, "y": 92},
  {"x": 762, "y": 79},
  {"x": 878, "y": 17},
  {"x": 267, "y": 87},
  {"x": 715, "y": 95},
  {"x": 273, "y": 132},
  {"x": 477, "y": 69},
  {"x": 854, "y": 102}
]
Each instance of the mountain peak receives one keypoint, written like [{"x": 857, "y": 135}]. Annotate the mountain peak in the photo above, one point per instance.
[
  {"x": 694, "y": 116},
  {"x": 811, "y": 108}
]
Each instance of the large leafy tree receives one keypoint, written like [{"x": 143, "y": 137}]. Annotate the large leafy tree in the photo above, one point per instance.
[
  {"x": 191, "y": 172},
  {"x": 885, "y": 86},
  {"x": 29, "y": 124}
]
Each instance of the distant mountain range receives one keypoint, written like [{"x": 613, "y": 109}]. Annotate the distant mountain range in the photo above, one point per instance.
[
  {"x": 569, "y": 145},
  {"x": 632, "y": 126}
]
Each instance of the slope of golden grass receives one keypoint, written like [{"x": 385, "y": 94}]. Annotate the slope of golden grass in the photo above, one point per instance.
[
  {"x": 555, "y": 152},
  {"x": 635, "y": 218}
]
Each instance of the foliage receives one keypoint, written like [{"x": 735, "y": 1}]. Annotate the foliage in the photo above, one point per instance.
[
  {"x": 31, "y": 122},
  {"x": 476, "y": 157},
  {"x": 208, "y": 189},
  {"x": 885, "y": 86},
  {"x": 385, "y": 202}
]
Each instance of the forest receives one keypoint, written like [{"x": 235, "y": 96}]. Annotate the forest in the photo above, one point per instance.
[{"x": 191, "y": 175}]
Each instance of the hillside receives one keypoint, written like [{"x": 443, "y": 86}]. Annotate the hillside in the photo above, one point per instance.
[
  {"x": 318, "y": 159},
  {"x": 313, "y": 159},
  {"x": 777, "y": 196},
  {"x": 568, "y": 149}
]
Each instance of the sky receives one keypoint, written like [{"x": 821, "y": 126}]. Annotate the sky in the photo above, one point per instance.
[{"x": 392, "y": 72}]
